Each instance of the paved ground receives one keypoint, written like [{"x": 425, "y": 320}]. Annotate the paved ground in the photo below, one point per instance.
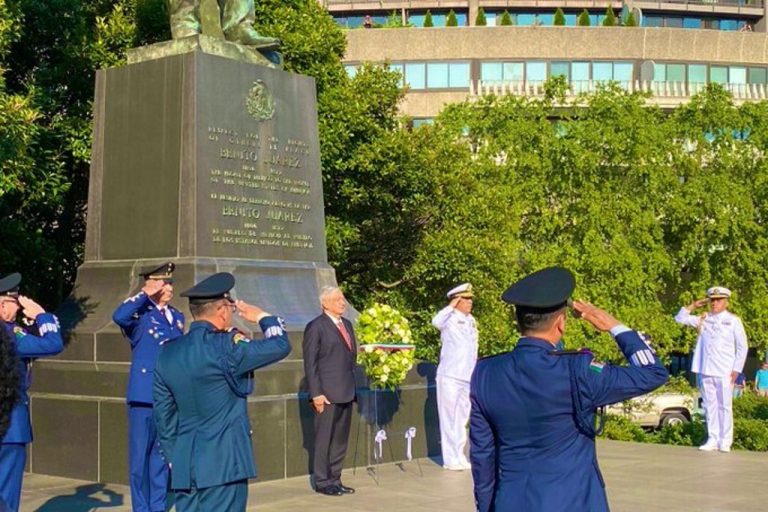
[{"x": 639, "y": 478}]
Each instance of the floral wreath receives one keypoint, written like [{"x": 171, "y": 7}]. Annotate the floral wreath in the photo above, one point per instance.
[{"x": 385, "y": 353}]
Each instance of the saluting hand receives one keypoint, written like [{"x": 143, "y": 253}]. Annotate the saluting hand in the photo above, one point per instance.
[
  {"x": 30, "y": 308},
  {"x": 153, "y": 286},
  {"x": 250, "y": 312},
  {"x": 600, "y": 319},
  {"x": 696, "y": 304}
]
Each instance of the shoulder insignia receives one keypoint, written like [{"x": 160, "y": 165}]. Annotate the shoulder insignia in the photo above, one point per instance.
[
  {"x": 596, "y": 366},
  {"x": 179, "y": 325},
  {"x": 239, "y": 337},
  {"x": 19, "y": 332},
  {"x": 275, "y": 330}
]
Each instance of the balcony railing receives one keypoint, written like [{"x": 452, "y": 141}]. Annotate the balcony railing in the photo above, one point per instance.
[{"x": 681, "y": 90}]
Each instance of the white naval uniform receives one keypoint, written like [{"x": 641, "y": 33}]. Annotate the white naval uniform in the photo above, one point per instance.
[
  {"x": 458, "y": 355},
  {"x": 721, "y": 348}
]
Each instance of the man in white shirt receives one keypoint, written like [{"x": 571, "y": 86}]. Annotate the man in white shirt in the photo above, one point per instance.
[
  {"x": 718, "y": 358},
  {"x": 458, "y": 335}
]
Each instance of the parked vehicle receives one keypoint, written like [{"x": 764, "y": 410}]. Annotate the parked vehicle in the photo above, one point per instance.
[{"x": 658, "y": 410}]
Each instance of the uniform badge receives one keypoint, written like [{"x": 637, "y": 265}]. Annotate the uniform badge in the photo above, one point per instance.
[
  {"x": 19, "y": 332},
  {"x": 596, "y": 366},
  {"x": 239, "y": 337},
  {"x": 179, "y": 325}
]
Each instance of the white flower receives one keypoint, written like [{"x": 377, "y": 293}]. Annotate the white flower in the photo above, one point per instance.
[
  {"x": 384, "y": 378},
  {"x": 371, "y": 312},
  {"x": 385, "y": 368},
  {"x": 368, "y": 349}
]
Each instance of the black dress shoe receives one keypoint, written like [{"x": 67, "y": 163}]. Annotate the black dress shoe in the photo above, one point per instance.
[
  {"x": 330, "y": 490},
  {"x": 346, "y": 490}
]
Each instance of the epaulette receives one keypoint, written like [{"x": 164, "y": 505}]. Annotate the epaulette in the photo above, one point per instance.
[
  {"x": 486, "y": 358},
  {"x": 571, "y": 352}
]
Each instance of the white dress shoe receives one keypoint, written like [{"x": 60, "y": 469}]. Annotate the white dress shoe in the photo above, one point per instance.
[
  {"x": 708, "y": 447},
  {"x": 454, "y": 467},
  {"x": 725, "y": 449}
]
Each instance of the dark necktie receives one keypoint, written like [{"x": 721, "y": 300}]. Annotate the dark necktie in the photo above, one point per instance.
[{"x": 344, "y": 334}]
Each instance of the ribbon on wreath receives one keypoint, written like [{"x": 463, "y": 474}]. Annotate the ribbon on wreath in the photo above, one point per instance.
[
  {"x": 410, "y": 433},
  {"x": 378, "y": 449}
]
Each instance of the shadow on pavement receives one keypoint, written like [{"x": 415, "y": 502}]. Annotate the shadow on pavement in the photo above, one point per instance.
[{"x": 86, "y": 498}]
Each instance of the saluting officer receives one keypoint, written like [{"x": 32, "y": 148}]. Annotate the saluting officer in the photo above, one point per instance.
[
  {"x": 202, "y": 380},
  {"x": 46, "y": 341},
  {"x": 458, "y": 337},
  {"x": 719, "y": 356},
  {"x": 532, "y": 425},
  {"x": 148, "y": 321}
]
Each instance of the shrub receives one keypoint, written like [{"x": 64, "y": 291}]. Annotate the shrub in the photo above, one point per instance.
[
  {"x": 428, "y": 19},
  {"x": 687, "y": 434},
  {"x": 751, "y": 406},
  {"x": 451, "y": 20},
  {"x": 480, "y": 21},
  {"x": 630, "y": 21},
  {"x": 619, "y": 428},
  {"x": 583, "y": 19},
  {"x": 559, "y": 19},
  {"x": 610, "y": 18},
  {"x": 750, "y": 434},
  {"x": 506, "y": 19}
]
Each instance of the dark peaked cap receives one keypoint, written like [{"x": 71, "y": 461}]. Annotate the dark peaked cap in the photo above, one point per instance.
[
  {"x": 211, "y": 288},
  {"x": 164, "y": 272},
  {"x": 543, "y": 291},
  {"x": 9, "y": 285}
]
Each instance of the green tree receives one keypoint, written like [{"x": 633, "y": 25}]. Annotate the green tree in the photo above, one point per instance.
[
  {"x": 559, "y": 18},
  {"x": 428, "y": 19},
  {"x": 451, "y": 20},
  {"x": 583, "y": 19},
  {"x": 629, "y": 20},
  {"x": 610, "y": 18},
  {"x": 480, "y": 20},
  {"x": 506, "y": 19}
]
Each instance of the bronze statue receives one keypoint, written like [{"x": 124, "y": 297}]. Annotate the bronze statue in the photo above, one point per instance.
[{"x": 231, "y": 20}]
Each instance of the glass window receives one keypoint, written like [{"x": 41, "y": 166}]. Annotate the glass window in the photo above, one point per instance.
[
  {"x": 675, "y": 72},
  {"x": 422, "y": 121},
  {"x": 718, "y": 74},
  {"x": 438, "y": 20},
  {"x": 602, "y": 71},
  {"x": 351, "y": 70},
  {"x": 562, "y": 69},
  {"x": 417, "y": 20},
  {"x": 691, "y": 23},
  {"x": 622, "y": 72},
  {"x": 514, "y": 72},
  {"x": 415, "y": 76},
  {"x": 653, "y": 21},
  {"x": 437, "y": 75},
  {"x": 545, "y": 19},
  {"x": 340, "y": 20},
  {"x": 461, "y": 17},
  {"x": 536, "y": 71},
  {"x": 757, "y": 75},
  {"x": 490, "y": 19},
  {"x": 674, "y": 22},
  {"x": 458, "y": 74},
  {"x": 526, "y": 19},
  {"x": 729, "y": 24},
  {"x": 697, "y": 73},
  {"x": 491, "y": 71},
  {"x": 570, "y": 20},
  {"x": 580, "y": 76},
  {"x": 659, "y": 72},
  {"x": 737, "y": 75}
]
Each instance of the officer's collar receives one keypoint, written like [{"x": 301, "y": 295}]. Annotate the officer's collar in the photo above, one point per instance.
[
  {"x": 202, "y": 324},
  {"x": 529, "y": 341}
]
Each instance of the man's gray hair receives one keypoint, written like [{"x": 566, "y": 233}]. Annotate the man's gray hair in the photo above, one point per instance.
[{"x": 325, "y": 291}]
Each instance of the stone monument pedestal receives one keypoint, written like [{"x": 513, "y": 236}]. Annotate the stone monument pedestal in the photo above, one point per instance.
[{"x": 212, "y": 162}]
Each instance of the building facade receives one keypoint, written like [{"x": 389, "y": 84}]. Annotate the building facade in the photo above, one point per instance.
[{"x": 671, "y": 61}]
